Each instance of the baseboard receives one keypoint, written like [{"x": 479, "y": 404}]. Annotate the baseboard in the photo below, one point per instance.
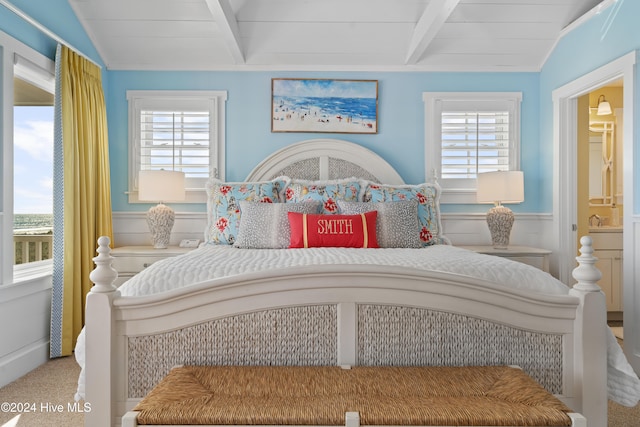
[{"x": 23, "y": 361}]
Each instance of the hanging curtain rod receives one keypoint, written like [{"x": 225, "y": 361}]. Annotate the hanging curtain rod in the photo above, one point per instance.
[{"x": 44, "y": 29}]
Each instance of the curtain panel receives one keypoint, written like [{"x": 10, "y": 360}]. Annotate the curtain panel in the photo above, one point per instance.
[{"x": 82, "y": 192}]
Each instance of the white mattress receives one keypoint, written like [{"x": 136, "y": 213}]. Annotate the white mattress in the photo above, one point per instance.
[{"x": 211, "y": 261}]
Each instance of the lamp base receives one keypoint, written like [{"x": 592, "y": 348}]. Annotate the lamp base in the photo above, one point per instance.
[
  {"x": 160, "y": 219},
  {"x": 500, "y": 220}
]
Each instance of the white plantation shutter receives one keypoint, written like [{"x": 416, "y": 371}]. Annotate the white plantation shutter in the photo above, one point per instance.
[
  {"x": 175, "y": 140},
  {"x": 467, "y": 134},
  {"x": 176, "y": 130},
  {"x": 474, "y": 142}
]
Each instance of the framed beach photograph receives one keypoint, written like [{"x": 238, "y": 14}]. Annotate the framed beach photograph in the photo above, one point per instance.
[{"x": 324, "y": 105}]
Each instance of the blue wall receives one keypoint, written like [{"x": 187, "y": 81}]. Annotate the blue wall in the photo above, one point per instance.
[
  {"x": 248, "y": 126},
  {"x": 586, "y": 48},
  {"x": 401, "y": 129},
  {"x": 57, "y": 16}
]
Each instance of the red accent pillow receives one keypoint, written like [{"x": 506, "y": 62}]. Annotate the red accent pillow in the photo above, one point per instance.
[{"x": 347, "y": 231}]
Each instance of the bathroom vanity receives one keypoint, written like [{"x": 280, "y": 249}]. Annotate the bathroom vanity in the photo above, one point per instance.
[{"x": 607, "y": 245}]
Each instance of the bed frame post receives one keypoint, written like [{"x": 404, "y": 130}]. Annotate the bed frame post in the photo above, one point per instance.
[
  {"x": 99, "y": 324},
  {"x": 590, "y": 336}
]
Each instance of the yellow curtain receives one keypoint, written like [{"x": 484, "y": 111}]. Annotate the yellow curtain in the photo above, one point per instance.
[{"x": 86, "y": 185}]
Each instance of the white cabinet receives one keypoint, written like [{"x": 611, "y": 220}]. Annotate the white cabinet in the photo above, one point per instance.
[
  {"x": 131, "y": 260},
  {"x": 607, "y": 247}
]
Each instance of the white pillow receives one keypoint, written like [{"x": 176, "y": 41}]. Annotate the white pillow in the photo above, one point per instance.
[
  {"x": 397, "y": 225},
  {"x": 266, "y": 225}
]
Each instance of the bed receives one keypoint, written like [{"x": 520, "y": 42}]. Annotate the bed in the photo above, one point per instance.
[{"x": 393, "y": 299}]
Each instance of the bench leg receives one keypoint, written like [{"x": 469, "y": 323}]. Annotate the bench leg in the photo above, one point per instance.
[
  {"x": 130, "y": 419},
  {"x": 352, "y": 419},
  {"x": 577, "y": 420}
]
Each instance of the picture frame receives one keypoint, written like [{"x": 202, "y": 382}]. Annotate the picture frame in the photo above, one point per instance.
[{"x": 324, "y": 105}]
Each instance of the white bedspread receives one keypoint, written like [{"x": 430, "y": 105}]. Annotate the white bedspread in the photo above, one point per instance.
[
  {"x": 211, "y": 261},
  {"x": 219, "y": 261}
]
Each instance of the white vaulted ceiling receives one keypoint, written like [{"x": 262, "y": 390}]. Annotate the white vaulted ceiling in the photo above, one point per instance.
[{"x": 433, "y": 35}]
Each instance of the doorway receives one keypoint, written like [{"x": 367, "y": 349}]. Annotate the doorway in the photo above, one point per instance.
[
  {"x": 565, "y": 210},
  {"x": 600, "y": 198}
]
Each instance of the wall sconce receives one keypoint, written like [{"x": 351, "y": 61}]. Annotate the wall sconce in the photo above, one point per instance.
[
  {"x": 498, "y": 188},
  {"x": 604, "y": 108},
  {"x": 160, "y": 186}
]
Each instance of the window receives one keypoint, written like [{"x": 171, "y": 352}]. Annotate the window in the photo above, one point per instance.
[
  {"x": 26, "y": 166},
  {"x": 467, "y": 134},
  {"x": 33, "y": 88},
  {"x": 177, "y": 130},
  {"x": 33, "y": 178}
]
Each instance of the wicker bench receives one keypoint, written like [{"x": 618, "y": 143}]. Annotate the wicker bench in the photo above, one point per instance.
[{"x": 375, "y": 396}]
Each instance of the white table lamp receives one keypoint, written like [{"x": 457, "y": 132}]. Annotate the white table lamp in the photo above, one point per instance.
[
  {"x": 499, "y": 188},
  {"x": 160, "y": 186}
]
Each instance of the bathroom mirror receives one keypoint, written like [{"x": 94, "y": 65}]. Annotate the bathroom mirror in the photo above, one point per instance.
[{"x": 601, "y": 163}]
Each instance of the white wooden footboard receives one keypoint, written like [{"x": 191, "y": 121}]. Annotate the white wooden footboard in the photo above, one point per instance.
[{"x": 344, "y": 315}]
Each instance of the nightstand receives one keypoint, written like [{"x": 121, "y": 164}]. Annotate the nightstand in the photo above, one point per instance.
[
  {"x": 131, "y": 260},
  {"x": 533, "y": 256}
]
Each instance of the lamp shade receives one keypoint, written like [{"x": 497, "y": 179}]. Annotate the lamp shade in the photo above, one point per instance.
[
  {"x": 500, "y": 187},
  {"x": 161, "y": 186},
  {"x": 604, "y": 108}
]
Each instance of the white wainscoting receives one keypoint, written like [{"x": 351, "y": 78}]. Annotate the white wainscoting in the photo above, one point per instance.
[
  {"x": 631, "y": 290},
  {"x": 130, "y": 228},
  {"x": 471, "y": 229},
  {"x": 25, "y": 314}
]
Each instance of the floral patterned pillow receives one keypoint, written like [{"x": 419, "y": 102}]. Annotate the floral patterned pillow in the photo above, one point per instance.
[
  {"x": 223, "y": 207},
  {"x": 326, "y": 192},
  {"x": 428, "y": 197}
]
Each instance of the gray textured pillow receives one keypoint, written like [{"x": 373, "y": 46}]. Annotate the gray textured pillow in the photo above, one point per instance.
[
  {"x": 397, "y": 225},
  {"x": 266, "y": 225}
]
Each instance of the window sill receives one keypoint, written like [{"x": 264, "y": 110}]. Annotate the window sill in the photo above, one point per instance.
[
  {"x": 28, "y": 279},
  {"x": 32, "y": 271}
]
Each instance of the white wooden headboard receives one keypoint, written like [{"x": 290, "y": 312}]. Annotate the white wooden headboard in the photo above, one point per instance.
[{"x": 322, "y": 159}]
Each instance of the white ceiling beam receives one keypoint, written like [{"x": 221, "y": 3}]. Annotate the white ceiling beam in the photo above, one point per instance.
[
  {"x": 428, "y": 26},
  {"x": 225, "y": 18}
]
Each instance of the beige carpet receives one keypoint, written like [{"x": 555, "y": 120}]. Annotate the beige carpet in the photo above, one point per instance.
[
  {"x": 51, "y": 387},
  {"x": 48, "y": 394}
]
